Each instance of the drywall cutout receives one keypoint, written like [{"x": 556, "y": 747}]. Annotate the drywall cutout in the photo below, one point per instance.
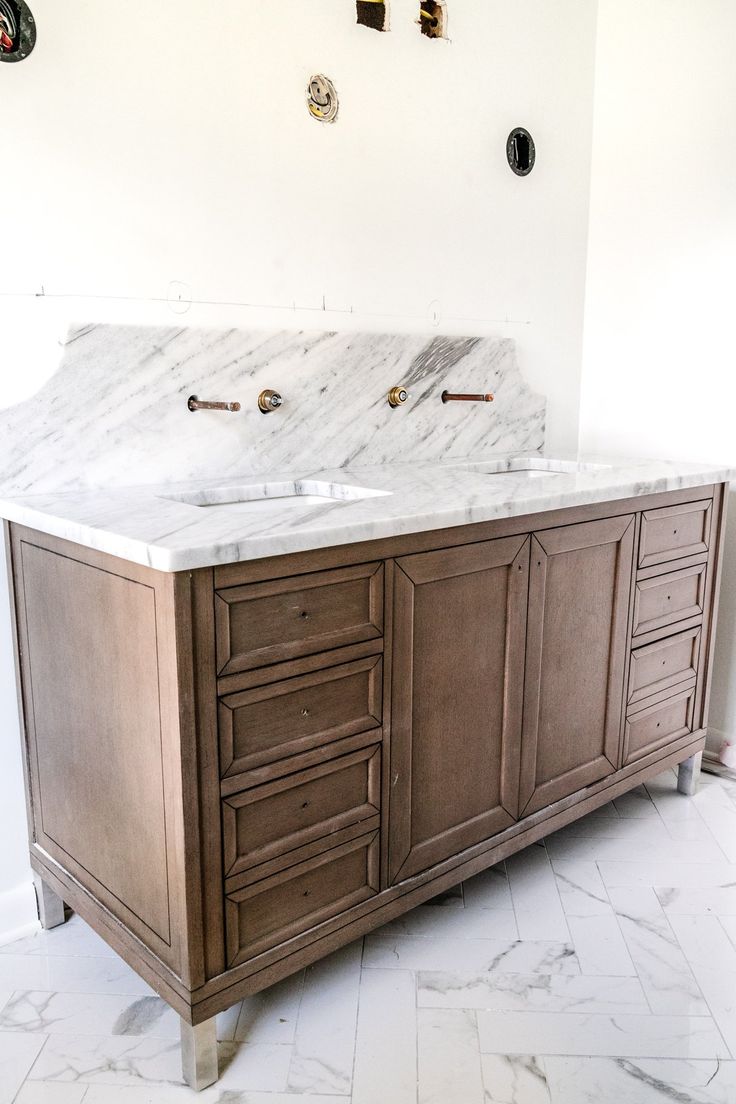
[
  {"x": 433, "y": 18},
  {"x": 372, "y": 13},
  {"x": 521, "y": 152},
  {"x": 322, "y": 98},
  {"x": 17, "y": 30}
]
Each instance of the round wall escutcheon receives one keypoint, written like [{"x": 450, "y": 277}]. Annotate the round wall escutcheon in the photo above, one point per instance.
[
  {"x": 17, "y": 30},
  {"x": 322, "y": 98},
  {"x": 521, "y": 152}
]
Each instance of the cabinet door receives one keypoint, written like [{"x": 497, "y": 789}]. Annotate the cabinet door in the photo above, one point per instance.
[
  {"x": 579, "y": 590},
  {"x": 458, "y": 659}
]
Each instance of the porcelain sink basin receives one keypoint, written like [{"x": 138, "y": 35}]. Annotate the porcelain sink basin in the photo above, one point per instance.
[
  {"x": 269, "y": 496},
  {"x": 534, "y": 467}
]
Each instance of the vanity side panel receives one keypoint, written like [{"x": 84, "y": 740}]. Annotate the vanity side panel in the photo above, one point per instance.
[{"x": 99, "y": 684}]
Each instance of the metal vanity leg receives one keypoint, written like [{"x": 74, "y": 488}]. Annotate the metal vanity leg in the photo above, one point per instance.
[
  {"x": 688, "y": 774},
  {"x": 199, "y": 1054},
  {"x": 50, "y": 904}
]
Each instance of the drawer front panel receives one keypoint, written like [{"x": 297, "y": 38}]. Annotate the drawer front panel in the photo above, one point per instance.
[
  {"x": 656, "y": 725},
  {"x": 297, "y": 899},
  {"x": 666, "y": 663},
  {"x": 286, "y": 718},
  {"x": 276, "y": 818},
  {"x": 674, "y": 532},
  {"x": 264, "y": 623},
  {"x": 666, "y": 599}
]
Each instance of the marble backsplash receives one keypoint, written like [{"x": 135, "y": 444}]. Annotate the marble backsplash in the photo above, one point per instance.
[{"x": 115, "y": 411}]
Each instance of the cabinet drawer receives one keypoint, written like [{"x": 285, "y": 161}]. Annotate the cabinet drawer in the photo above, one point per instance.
[
  {"x": 674, "y": 532},
  {"x": 658, "y": 666},
  {"x": 273, "y": 722},
  {"x": 659, "y": 724},
  {"x": 295, "y": 900},
  {"x": 665, "y": 599},
  {"x": 280, "y": 816},
  {"x": 263, "y": 623}
]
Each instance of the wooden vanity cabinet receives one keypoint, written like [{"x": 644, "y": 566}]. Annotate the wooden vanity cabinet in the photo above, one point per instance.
[{"x": 234, "y": 770}]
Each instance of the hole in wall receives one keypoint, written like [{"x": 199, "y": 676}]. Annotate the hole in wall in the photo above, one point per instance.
[
  {"x": 17, "y": 30},
  {"x": 433, "y": 18},
  {"x": 372, "y": 13},
  {"x": 520, "y": 151}
]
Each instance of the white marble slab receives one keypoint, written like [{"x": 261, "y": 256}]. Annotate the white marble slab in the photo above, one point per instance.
[
  {"x": 115, "y": 411},
  {"x": 149, "y": 525}
]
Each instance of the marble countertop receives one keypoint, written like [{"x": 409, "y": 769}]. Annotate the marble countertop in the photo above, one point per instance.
[{"x": 168, "y": 528}]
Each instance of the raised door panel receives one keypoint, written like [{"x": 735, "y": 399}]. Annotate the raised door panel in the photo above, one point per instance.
[
  {"x": 458, "y": 658},
  {"x": 579, "y": 590}
]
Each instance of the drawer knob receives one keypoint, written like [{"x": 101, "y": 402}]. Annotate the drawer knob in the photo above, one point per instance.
[
  {"x": 307, "y": 892},
  {"x": 305, "y": 712},
  {"x": 305, "y": 805},
  {"x": 304, "y": 615}
]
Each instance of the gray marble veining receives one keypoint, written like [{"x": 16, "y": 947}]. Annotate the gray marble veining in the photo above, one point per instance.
[
  {"x": 115, "y": 411},
  {"x": 107, "y": 454}
]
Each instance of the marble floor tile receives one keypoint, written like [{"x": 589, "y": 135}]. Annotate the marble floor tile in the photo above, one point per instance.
[
  {"x": 469, "y": 955},
  {"x": 454, "y": 923},
  {"x": 712, "y": 958},
  {"x": 324, "y": 1044},
  {"x": 514, "y": 1079},
  {"x": 89, "y": 1014},
  {"x": 669, "y": 873},
  {"x": 386, "y": 1050},
  {"x": 535, "y": 896},
  {"x": 581, "y": 889},
  {"x": 728, "y": 923},
  {"x": 449, "y": 1065},
  {"x": 453, "y": 897},
  {"x": 271, "y": 1016},
  {"x": 623, "y": 828},
  {"x": 592, "y": 1035},
  {"x": 663, "y": 970},
  {"x": 50, "y": 1092},
  {"x": 719, "y": 901},
  {"x": 256, "y": 1067},
  {"x": 72, "y": 938},
  {"x": 532, "y": 993},
  {"x": 489, "y": 890},
  {"x": 600, "y": 947},
  {"x": 719, "y": 813},
  {"x": 620, "y": 850},
  {"x": 640, "y": 1081},
  {"x": 70, "y": 974},
  {"x": 637, "y": 804},
  {"x": 17, "y": 1055},
  {"x": 112, "y": 1060}
]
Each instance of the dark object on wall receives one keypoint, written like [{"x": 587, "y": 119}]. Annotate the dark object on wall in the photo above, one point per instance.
[
  {"x": 521, "y": 151},
  {"x": 17, "y": 30},
  {"x": 372, "y": 13},
  {"x": 433, "y": 18}
]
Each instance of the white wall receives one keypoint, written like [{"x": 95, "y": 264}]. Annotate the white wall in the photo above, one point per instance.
[
  {"x": 658, "y": 375},
  {"x": 142, "y": 161}
]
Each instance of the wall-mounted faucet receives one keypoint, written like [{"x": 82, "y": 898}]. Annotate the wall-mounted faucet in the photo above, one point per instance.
[
  {"x": 397, "y": 396},
  {"x": 447, "y": 396},
  {"x": 193, "y": 403}
]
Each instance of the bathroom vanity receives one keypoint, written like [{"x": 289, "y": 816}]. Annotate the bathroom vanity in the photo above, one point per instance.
[
  {"x": 234, "y": 768},
  {"x": 284, "y": 677}
]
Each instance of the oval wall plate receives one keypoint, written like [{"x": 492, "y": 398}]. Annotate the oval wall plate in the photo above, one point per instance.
[{"x": 322, "y": 98}]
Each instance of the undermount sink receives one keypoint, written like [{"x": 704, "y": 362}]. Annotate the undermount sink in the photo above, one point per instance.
[
  {"x": 533, "y": 467},
  {"x": 255, "y": 497}
]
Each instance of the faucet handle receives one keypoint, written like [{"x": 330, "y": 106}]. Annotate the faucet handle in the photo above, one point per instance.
[
  {"x": 268, "y": 401},
  {"x": 397, "y": 396},
  {"x": 448, "y": 396}
]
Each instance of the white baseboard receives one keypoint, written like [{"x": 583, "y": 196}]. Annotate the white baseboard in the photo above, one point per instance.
[{"x": 18, "y": 913}]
